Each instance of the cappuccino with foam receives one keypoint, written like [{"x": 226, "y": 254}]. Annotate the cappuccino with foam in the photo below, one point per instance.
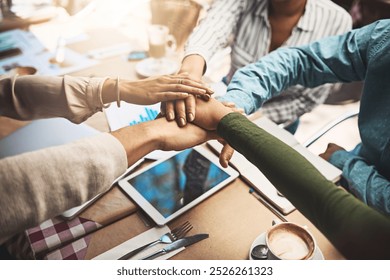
[{"x": 288, "y": 241}]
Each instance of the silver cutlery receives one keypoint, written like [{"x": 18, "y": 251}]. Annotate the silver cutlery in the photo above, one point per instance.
[
  {"x": 167, "y": 238},
  {"x": 184, "y": 242}
]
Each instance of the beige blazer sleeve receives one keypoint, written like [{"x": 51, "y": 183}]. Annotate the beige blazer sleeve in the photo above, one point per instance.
[{"x": 33, "y": 97}]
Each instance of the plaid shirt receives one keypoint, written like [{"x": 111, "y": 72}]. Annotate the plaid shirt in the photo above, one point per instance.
[{"x": 248, "y": 21}]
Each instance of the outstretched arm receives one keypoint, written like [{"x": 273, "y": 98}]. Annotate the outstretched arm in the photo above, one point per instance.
[
  {"x": 344, "y": 220},
  {"x": 77, "y": 98},
  {"x": 334, "y": 59},
  {"x": 39, "y": 185}
]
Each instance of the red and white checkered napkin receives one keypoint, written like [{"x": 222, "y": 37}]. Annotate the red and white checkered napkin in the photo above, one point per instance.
[
  {"x": 73, "y": 251},
  {"x": 50, "y": 235},
  {"x": 56, "y": 232}
]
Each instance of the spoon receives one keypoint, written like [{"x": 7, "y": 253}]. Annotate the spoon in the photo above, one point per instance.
[{"x": 260, "y": 252}]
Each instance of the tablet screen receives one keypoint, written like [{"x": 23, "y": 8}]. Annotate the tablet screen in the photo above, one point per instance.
[{"x": 175, "y": 182}]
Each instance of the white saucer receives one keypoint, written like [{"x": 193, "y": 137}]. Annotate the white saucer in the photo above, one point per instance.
[
  {"x": 148, "y": 67},
  {"x": 261, "y": 240}
]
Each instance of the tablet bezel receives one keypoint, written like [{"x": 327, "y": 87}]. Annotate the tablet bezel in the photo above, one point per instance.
[{"x": 151, "y": 211}]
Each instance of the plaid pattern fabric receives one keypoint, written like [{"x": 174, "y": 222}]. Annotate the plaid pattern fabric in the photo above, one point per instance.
[
  {"x": 36, "y": 242},
  {"x": 74, "y": 251}
]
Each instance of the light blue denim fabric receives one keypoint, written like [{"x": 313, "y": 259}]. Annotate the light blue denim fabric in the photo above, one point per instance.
[{"x": 362, "y": 54}]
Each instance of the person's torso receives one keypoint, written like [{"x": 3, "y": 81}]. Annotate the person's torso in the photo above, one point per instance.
[
  {"x": 252, "y": 38},
  {"x": 374, "y": 116}
]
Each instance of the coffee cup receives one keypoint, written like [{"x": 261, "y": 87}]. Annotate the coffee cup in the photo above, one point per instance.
[
  {"x": 160, "y": 41},
  {"x": 290, "y": 241}
]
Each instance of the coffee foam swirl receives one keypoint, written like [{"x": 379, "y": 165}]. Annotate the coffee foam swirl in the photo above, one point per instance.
[{"x": 290, "y": 243}]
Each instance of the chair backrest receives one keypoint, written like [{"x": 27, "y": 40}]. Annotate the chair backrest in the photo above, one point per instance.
[
  {"x": 181, "y": 16},
  {"x": 330, "y": 125}
]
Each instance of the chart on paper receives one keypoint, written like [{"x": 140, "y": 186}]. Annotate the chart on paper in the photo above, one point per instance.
[
  {"x": 148, "y": 115},
  {"x": 130, "y": 114}
]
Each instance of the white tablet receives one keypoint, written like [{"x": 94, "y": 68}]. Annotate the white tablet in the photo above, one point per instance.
[{"x": 167, "y": 188}]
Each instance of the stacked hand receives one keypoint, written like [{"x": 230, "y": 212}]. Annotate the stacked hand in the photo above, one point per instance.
[
  {"x": 165, "y": 134},
  {"x": 208, "y": 115},
  {"x": 184, "y": 110},
  {"x": 155, "y": 89}
]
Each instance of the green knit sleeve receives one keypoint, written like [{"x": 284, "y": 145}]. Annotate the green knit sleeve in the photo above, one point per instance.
[{"x": 343, "y": 219}]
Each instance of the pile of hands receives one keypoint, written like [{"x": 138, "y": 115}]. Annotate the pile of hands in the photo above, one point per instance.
[{"x": 189, "y": 114}]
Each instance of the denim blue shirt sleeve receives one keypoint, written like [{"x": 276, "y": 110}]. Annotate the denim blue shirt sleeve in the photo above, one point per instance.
[
  {"x": 361, "y": 54},
  {"x": 330, "y": 60},
  {"x": 364, "y": 180}
]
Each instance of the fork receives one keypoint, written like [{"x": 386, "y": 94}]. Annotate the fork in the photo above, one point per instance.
[{"x": 167, "y": 238}]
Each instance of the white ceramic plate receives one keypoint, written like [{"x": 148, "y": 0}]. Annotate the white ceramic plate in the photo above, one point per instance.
[
  {"x": 149, "y": 67},
  {"x": 261, "y": 240}
]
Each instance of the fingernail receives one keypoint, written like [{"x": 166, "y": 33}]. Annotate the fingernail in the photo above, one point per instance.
[
  {"x": 182, "y": 122},
  {"x": 190, "y": 117},
  {"x": 210, "y": 91},
  {"x": 170, "y": 116}
]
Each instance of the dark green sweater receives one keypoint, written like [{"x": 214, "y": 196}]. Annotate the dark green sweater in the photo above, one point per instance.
[{"x": 355, "y": 229}]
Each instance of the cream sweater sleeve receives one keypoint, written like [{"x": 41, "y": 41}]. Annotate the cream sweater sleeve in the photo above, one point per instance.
[{"x": 39, "y": 185}]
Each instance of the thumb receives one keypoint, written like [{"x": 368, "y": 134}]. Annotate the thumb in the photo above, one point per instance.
[{"x": 226, "y": 155}]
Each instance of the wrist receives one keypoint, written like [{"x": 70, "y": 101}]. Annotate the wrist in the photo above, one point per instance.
[
  {"x": 193, "y": 64},
  {"x": 339, "y": 158},
  {"x": 108, "y": 91},
  {"x": 219, "y": 112},
  {"x": 160, "y": 132},
  {"x": 138, "y": 140}
]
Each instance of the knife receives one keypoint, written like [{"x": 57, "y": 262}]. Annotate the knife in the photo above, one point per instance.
[{"x": 183, "y": 242}]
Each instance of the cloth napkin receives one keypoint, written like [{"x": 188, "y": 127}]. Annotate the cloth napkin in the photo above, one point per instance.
[{"x": 55, "y": 233}]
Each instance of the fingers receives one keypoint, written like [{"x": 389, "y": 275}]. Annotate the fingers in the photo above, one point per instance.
[
  {"x": 163, "y": 108},
  {"x": 238, "y": 110},
  {"x": 179, "y": 94},
  {"x": 184, "y": 82},
  {"x": 232, "y": 106},
  {"x": 170, "y": 110},
  {"x": 190, "y": 105},
  {"x": 188, "y": 86},
  {"x": 229, "y": 104},
  {"x": 180, "y": 113},
  {"x": 226, "y": 155},
  {"x": 181, "y": 110},
  {"x": 171, "y": 95},
  {"x": 205, "y": 97}
]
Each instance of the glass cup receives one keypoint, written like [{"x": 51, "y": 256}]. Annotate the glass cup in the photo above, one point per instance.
[{"x": 161, "y": 43}]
